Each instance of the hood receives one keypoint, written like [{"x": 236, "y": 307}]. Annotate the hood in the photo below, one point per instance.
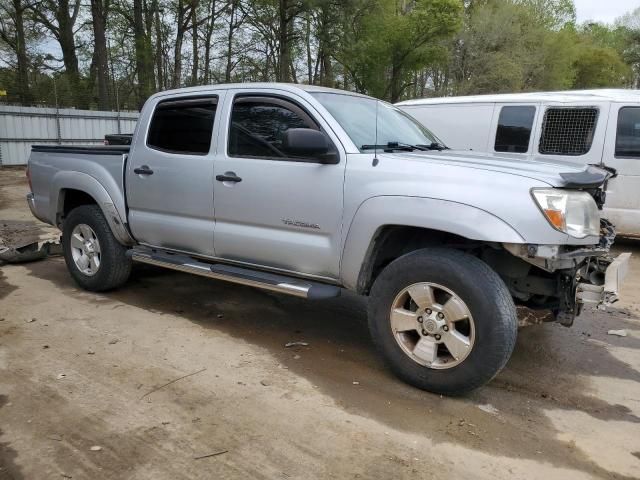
[{"x": 555, "y": 173}]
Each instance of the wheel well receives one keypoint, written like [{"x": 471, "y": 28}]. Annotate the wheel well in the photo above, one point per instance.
[
  {"x": 70, "y": 199},
  {"x": 393, "y": 241}
]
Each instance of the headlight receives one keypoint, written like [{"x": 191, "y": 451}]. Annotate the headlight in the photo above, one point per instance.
[{"x": 571, "y": 212}]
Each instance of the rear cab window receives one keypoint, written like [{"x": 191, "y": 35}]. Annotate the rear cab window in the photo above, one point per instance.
[
  {"x": 183, "y": 126},
  {"x": 515, "y": 124},
  {"x": 568, "y": 130},
  {"x": 628, "y": 133}
]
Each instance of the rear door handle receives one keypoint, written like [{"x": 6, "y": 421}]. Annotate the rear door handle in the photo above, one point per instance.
[
  {"x": 228, "y": 177},
  {"x": 143, "y": 170}
]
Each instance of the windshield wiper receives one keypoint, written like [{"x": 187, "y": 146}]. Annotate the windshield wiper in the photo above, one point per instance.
[
  {"x": 390, "y": 146},
  {"x": 406, "y": 147},
  {"x": 433, "y": 146}
]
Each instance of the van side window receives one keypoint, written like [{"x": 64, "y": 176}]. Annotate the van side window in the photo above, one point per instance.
[
  {"x": 628, "y": 132},
  {"x": 183, "y": 126},
  {"x": 568, "y": 130},
  {"x": 258, "y": 124},
  {"x": 514, "y": 129}
]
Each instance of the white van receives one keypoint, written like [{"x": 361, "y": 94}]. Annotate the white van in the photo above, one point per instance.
[{"x": 586, "y": 126}]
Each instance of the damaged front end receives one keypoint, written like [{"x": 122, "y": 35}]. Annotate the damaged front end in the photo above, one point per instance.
[{"x": 561, "y": 279}]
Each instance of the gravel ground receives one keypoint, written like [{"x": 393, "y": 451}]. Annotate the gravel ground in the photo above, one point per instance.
[{"x": 180, "y": 377}]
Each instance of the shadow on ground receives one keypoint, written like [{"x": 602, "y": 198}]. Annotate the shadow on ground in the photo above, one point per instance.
[
  {"x": 547, "y": 370},
  {"x": 8, "y": 468}
]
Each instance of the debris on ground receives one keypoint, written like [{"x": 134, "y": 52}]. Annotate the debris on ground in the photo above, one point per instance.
[
  {"x": 60, "y": 376},
  {"x": 31, "y": 320},
  {"x": 96, "y": 448},
  {"x": 172, "y": 381},
  {"x": 296, "y": 344},
  {"x": 90, "y": 352},
  {"x": 25, "y": 242},
  {"x": 113, "y": 341},
  {"x": 618, "y": 333},
  {"x": 489, "y": 409},
  {"x": 214, "y": 454},
  {"x": 265, "y": 383},
  {"x": 356, "y": 383}
]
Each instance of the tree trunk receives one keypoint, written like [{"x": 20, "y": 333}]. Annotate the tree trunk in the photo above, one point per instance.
[
  {"x": 232, "y": 25},
  {"x": 144, "y": 55},
  {"x": 308, "y": 44},
  {"x": 207, "y": 43},
  {"x": 101, "y": 63},
  {"x": 158, "y": 45},
  {"x": 194, "y": 44},
  {"x": 177, "y": 51},
  {"x": 67, "y": 43},
  {"x": 24, "y": 92},
  {"x": 284, "y": 57}
]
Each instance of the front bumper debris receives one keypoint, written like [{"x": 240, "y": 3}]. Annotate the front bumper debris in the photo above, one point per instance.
[{"x": 606, "y": 293}]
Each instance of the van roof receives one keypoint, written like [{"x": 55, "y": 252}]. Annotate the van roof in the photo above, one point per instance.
[{"x": 600, "y": 95}]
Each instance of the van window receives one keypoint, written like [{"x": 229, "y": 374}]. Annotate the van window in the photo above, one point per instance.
[
  {"x": 628, "y": 132},
  {"x": 514, "y": 129},
  {"x": 183, "y": 126},
  {"x": 568, "y": 130}
]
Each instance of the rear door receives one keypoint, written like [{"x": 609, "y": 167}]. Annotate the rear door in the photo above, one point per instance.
[
  {"x": 279, "y": 212},
  {"x": 169, "y": 179},
  {"x": 622, "y": 152}
]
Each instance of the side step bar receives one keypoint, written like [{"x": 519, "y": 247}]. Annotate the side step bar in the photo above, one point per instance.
[{"x": 244, "y": 276}]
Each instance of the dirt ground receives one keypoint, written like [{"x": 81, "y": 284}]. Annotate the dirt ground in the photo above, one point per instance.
[{"x": 174, "y": 367}]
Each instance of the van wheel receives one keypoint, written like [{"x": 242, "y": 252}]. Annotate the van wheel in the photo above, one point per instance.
[
  {"x": 95, "y": 259},
  {"x": 443, "y": 320}
]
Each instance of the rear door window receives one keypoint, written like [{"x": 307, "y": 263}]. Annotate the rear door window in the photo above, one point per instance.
[
  {"x": 628, "y": 133},
  {"x": 183, "y": 126},
  {"x": 514, "y": 129},
  {"x": 568, "y": 130}
]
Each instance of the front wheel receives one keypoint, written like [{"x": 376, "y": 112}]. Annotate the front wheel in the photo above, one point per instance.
[{"x": 443, "y": 320}]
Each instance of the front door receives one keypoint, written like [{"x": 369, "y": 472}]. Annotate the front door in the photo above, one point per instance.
[
  {"x": 170, "y": 175},
  {"x": 272, "y": 209}
]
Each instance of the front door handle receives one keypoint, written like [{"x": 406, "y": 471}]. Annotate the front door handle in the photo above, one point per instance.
[
  {"x": 228, "y": 177},
  {"x": 143, "y": 170}
]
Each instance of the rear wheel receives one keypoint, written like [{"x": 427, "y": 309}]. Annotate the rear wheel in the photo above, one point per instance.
[
  {"x": 95, "y": 259},
  {"x": 444, "y": 321}
]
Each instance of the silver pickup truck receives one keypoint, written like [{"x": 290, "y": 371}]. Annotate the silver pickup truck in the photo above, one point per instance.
[{"x": 306, "y": 191}]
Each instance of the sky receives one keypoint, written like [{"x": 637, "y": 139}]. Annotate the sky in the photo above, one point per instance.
[{"x": 605, "y": 11}]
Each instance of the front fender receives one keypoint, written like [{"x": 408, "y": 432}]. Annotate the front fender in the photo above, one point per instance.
[
  {"x": 446, "y": 216},
  {"x": 89, "y": 185}
]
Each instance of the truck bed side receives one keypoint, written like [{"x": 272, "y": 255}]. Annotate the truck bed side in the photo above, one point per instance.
[{"x": 60, "y": 173}]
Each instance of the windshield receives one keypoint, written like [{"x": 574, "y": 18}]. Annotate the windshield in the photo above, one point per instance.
[{"x": 357, "y": 116}]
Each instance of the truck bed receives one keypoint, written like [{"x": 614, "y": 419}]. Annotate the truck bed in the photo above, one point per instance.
[{"x": 97, "y": 170}]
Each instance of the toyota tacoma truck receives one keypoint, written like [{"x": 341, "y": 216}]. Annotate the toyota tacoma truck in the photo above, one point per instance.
[{"x": 307, "y": 191}]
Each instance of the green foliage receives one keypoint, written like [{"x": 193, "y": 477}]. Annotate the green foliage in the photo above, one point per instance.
[
  {"x": 391, "y": 49},
  {"x": 392, "y": 39}
]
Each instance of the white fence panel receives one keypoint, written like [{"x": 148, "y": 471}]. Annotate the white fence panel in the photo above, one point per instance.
[{"x": 21, "y": 127}]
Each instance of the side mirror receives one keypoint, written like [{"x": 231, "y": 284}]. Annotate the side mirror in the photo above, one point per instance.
[{"x": 307, "y": 142}]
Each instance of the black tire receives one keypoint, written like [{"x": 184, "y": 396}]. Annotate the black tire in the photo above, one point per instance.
[
  {"x": 115, "y": 266},
  {"x": 483, "y": 292}
]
